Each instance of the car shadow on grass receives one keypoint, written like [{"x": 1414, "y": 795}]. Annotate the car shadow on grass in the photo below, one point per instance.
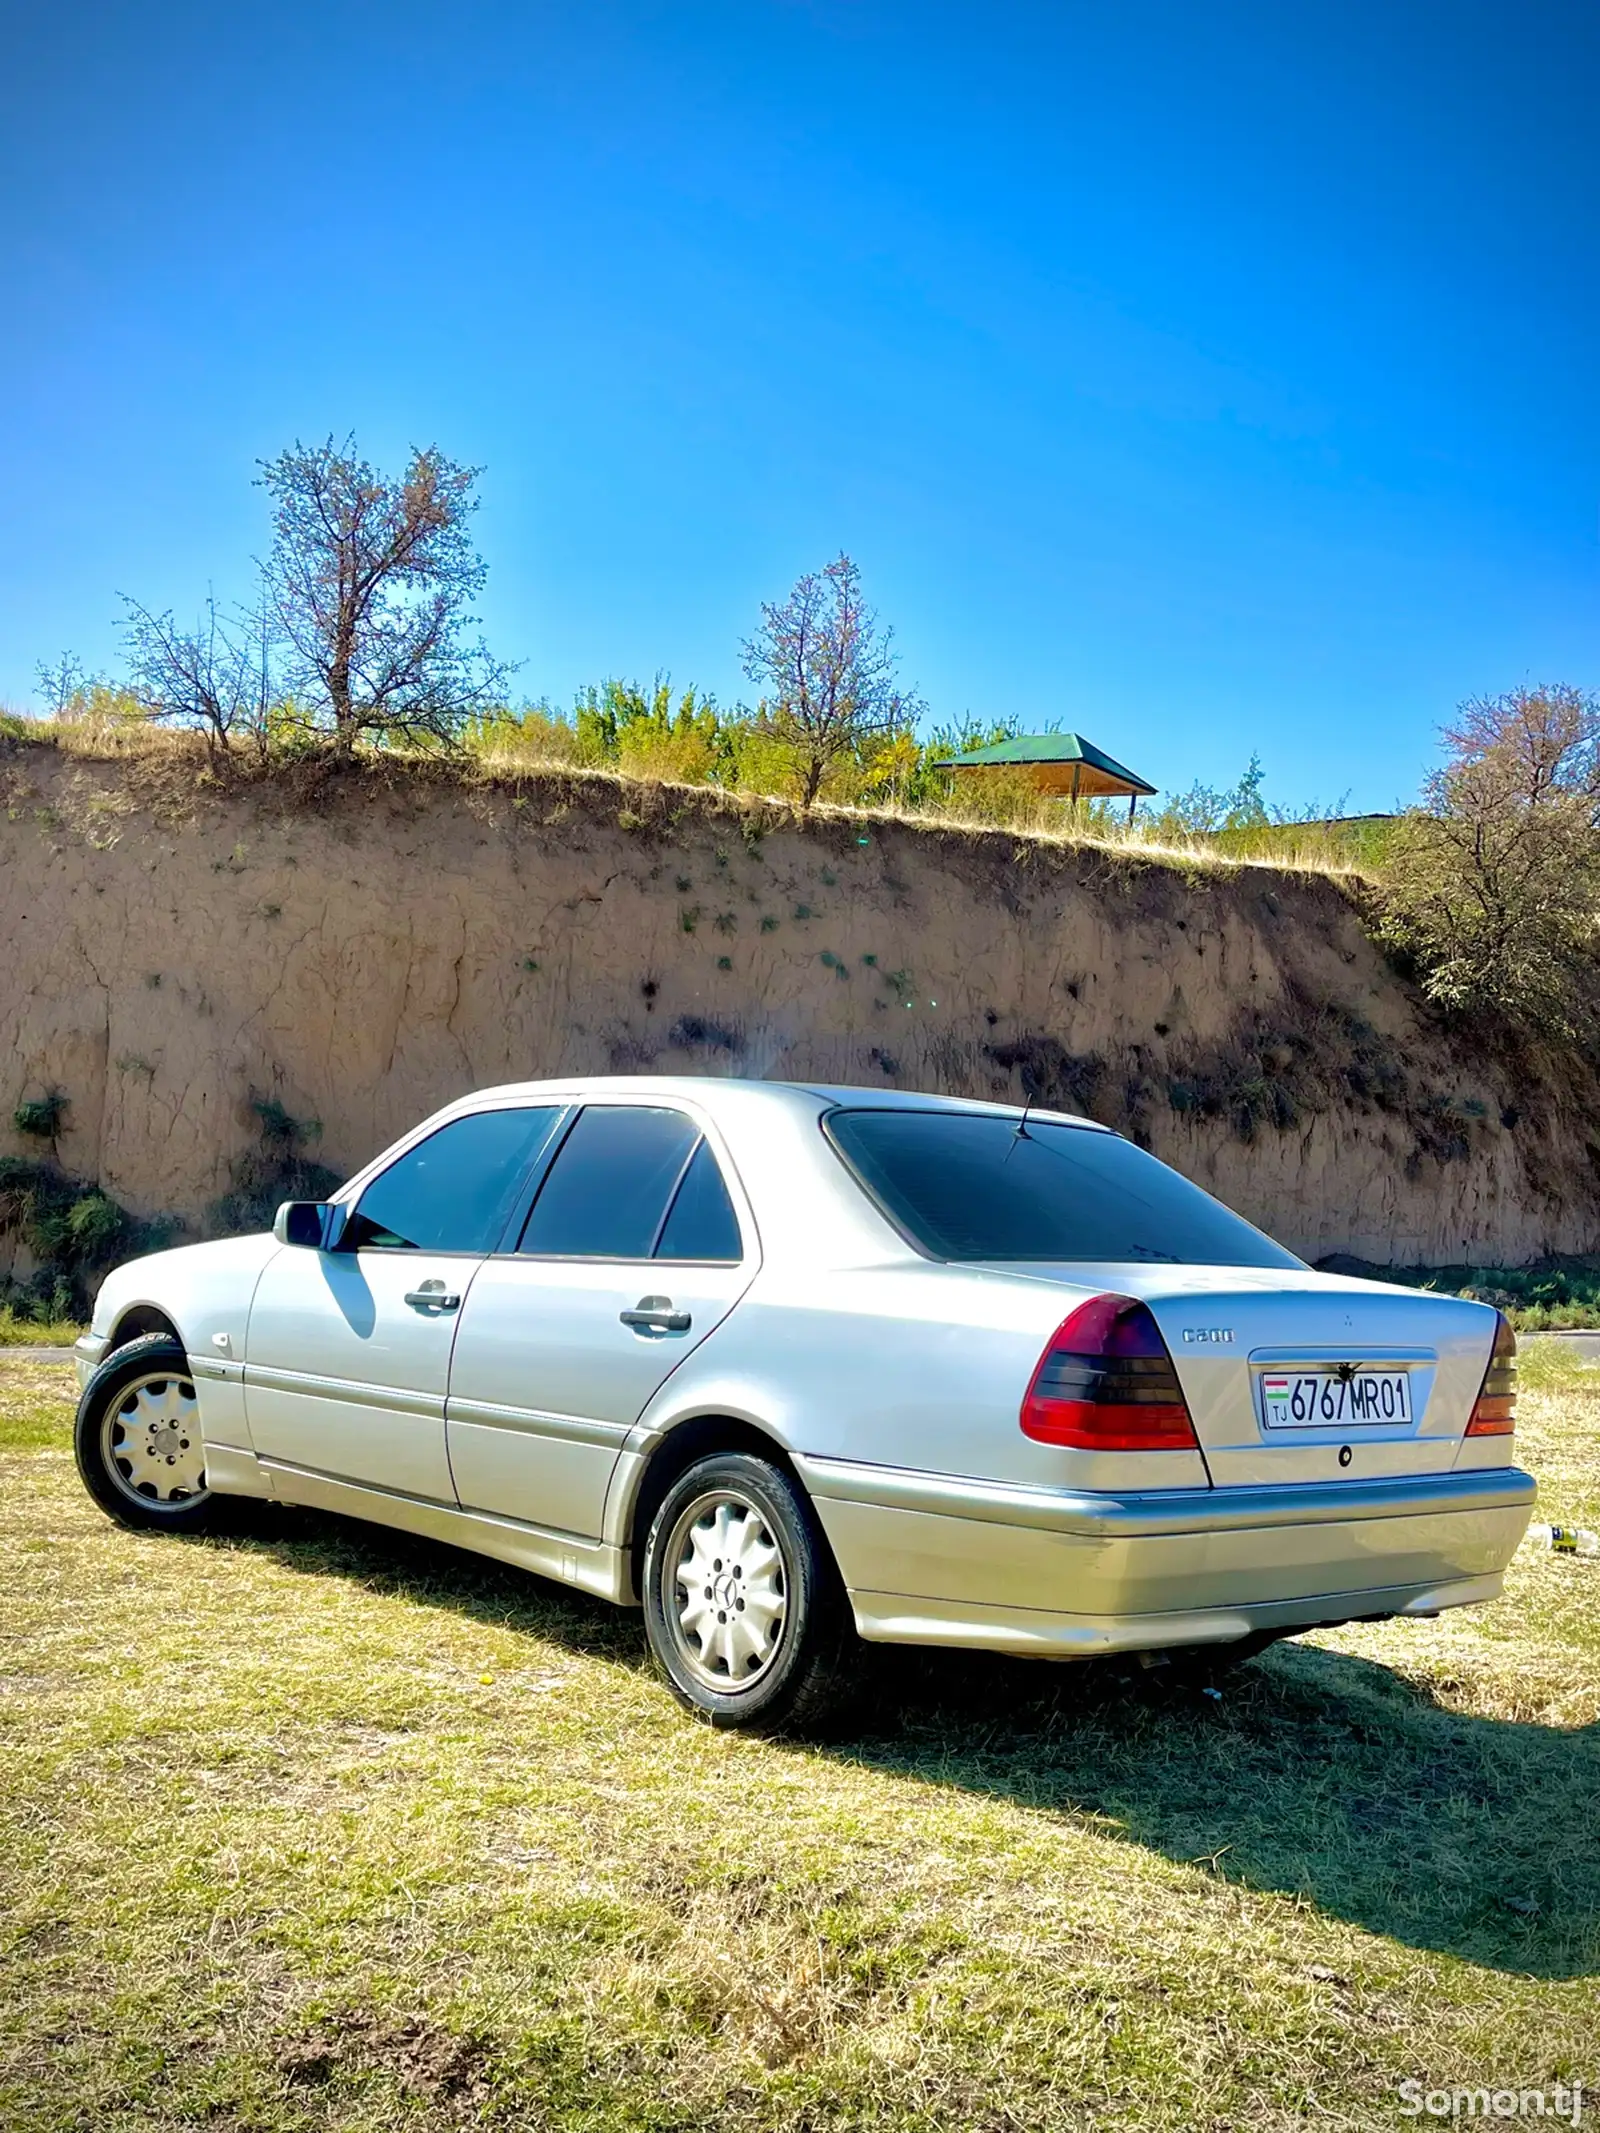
[{"x": 1311, "y": 1773}]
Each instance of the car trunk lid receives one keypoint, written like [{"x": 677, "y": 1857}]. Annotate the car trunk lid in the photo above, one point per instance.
[{"x": 1308, "y": 1377}]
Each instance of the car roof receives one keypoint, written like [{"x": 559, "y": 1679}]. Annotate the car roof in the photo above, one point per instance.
[
  {"x": 739, "y": 1089},
  {"x": 879, "y": 1099},
  {"x": 767, "y": 1128}
]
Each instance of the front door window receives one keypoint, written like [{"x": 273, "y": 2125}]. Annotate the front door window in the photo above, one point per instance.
[
  {"x": 348, "y": 1351},
  {"x": 452, "y": 1192}
]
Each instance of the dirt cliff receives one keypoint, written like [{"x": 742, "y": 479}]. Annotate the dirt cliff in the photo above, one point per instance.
[{"x": 361, "y": 946}]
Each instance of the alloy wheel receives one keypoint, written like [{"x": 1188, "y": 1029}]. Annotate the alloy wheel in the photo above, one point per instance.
[
  {"x": 727, "y": 1599},
  {"x": 151, "y": 1444}
]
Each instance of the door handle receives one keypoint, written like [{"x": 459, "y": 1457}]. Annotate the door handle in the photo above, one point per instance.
[
  {"x": 656, "y": 1313},
  {"x": 430, "y": 1298}
]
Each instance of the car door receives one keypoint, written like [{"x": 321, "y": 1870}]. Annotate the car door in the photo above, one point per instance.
[
  {"x": 631, "y": 1253},
  {"x": 347, "y": 1351}
]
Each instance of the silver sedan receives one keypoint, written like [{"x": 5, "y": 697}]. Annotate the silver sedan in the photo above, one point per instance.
[{"x": 792, "y": 1366}]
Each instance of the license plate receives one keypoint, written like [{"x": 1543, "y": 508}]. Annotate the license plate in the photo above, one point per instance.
[{"x": 1334, "y": 1399}]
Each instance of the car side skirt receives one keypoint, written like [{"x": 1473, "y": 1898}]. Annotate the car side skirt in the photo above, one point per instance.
[{"x": 595, "y": 1566}]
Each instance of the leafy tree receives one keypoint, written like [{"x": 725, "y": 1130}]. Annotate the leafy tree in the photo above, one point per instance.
[
  {"x": 826, "y": 666},
  {"x": 897, "y": 772},
  {"x": 1494, "y": 882},
  {"x": 533, "y": 733},
  {"x": 960, "y": 736},
  {"x": 1210, "y": 811},
  {"x": 370, "y": 584},
  {"x": 642, "y": 732}
]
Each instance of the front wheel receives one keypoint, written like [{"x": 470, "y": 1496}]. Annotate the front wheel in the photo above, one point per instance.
[
  {"x": 742, "y": 1603},
  {"x": 138, "y": 1441}
]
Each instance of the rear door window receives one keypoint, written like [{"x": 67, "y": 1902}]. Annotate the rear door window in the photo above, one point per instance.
[
  {"x": 608, "y": 1192},
  {"x": 454, "y": 1191},
  {"x": 964, "y": 1186}
]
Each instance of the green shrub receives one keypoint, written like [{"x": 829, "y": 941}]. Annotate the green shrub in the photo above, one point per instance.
[
  {"x": 95, "y": 1224},
  {"x": 1551, "y": 1293},
  {"x": 40, "y": 1323},
  {"x": 275, "y": 1170},
  {"x": 40, "y": 1116},
  {"x": 73, "y": 1230}
]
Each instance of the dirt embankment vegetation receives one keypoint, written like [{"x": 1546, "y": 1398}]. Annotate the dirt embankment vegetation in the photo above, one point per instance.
[
  {"x": 360, "y": 642},
  {"x": 231, "y": 980}
]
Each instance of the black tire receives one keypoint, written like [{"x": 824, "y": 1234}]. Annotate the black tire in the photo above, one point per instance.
[
  {"x": 149, "y": 1377},
  {"x": 800, "y": 1675}
]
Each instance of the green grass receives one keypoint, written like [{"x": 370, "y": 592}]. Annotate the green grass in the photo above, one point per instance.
[
  {"x": 318, "y": 1827},
  {"x": 18, "y": 1332}
]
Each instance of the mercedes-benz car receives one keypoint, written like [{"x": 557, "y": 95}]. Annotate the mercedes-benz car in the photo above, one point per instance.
[{"x": 794, "y": 1366}]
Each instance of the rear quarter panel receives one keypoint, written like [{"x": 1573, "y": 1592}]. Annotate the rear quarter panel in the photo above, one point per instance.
[{"x": 922, "y": 1367}]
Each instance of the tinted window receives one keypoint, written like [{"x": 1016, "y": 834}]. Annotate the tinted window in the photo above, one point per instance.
[
  {"x": 453, "y": 1191},
  {"x": 967, "y": 1187},
  {"x": 701, "y": 1223},
  {"x": 611, "y": 1184}
]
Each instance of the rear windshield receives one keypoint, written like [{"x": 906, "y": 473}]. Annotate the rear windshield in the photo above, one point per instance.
[{"x": 962, "y": 1186}]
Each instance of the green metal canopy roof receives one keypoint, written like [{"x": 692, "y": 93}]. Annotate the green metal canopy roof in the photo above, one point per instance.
[{"x": 1038, "y": 748}]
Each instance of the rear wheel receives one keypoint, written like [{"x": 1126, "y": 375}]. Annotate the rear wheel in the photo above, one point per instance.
[
  {"x": 743, "y": 1607},
  {"x": 138, "y": 1440}
]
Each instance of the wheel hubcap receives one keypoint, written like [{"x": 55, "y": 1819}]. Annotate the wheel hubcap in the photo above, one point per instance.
[
  {"x": 727, "y": 1599},
  {"x": 152, "y": 1443}
]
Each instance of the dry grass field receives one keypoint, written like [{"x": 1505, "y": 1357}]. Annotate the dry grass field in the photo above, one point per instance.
[{"x": 321, "y": 1828}]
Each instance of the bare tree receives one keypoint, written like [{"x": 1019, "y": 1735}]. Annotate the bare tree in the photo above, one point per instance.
[
  {"x": 826, "y": 666},
  {"x": 370, "y": 583},
  {"x": 215, "y": 676},
  {"x": 62, "y": 684}
]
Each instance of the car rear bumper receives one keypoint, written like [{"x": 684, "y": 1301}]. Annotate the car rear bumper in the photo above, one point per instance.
[{"x": 940, "y": 1559}]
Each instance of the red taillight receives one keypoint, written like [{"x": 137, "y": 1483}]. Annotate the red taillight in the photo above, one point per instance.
[
  {"x": 1106, "y": 1384},
  {"x": 1494, "y": 1412}
]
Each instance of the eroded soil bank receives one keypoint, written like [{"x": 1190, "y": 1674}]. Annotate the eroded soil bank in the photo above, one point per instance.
[{"x": 361, "y": 947}]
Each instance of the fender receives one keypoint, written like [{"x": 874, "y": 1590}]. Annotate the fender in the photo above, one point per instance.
[{"x": 205, "y": 1291}]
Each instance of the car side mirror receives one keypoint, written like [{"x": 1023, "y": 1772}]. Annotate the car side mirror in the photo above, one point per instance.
[{"x": 311, "y": 1223}]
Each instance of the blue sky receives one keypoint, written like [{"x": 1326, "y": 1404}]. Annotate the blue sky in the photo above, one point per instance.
[{"x": 1215, "y": 380}]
